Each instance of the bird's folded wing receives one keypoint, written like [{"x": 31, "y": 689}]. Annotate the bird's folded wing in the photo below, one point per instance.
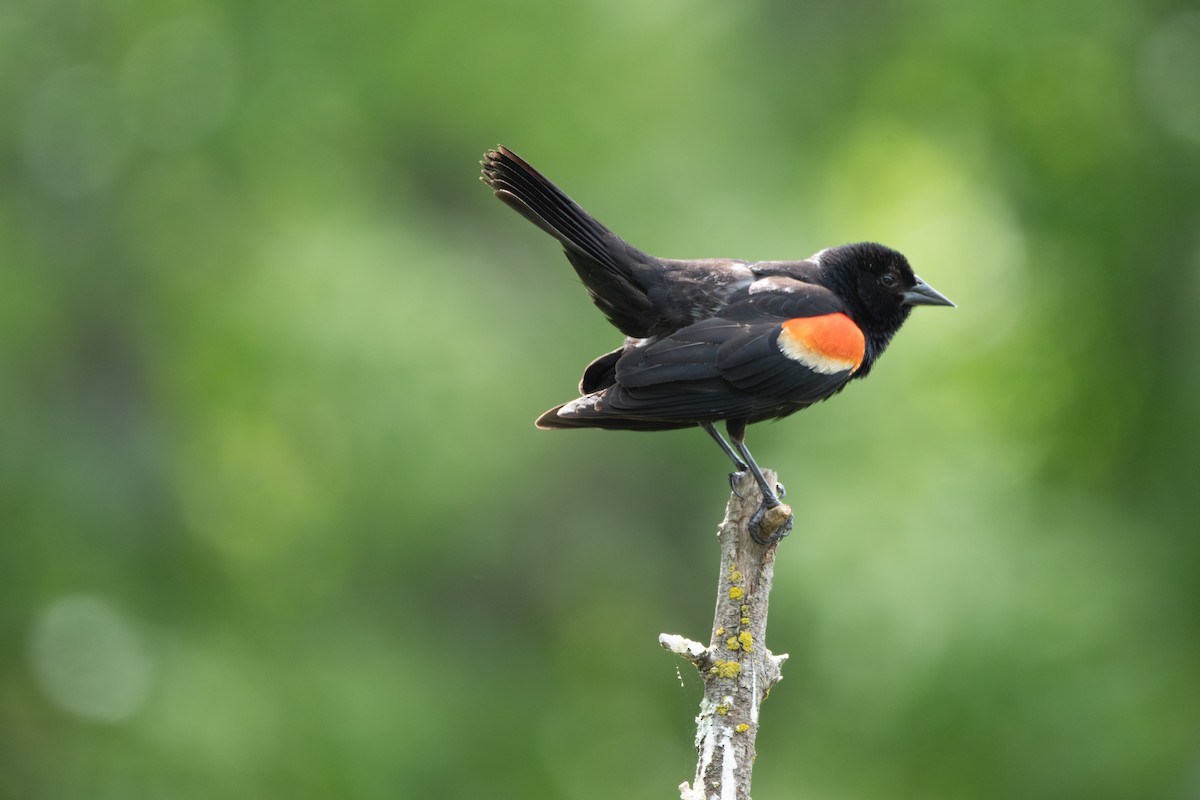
[{"x": 718, "y": 368}]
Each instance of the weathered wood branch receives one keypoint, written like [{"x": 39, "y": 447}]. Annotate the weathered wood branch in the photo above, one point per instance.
[{"x": 737, "y": 668}]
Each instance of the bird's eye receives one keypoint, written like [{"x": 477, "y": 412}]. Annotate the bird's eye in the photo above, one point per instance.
[{"x": 888, "y": 280}]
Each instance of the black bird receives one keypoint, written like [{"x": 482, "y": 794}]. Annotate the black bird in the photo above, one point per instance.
[{"x": 715, "y": 339}]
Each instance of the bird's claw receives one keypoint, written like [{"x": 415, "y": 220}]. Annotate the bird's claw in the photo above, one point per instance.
[
  {"x": 770, "y": 523},
  {"x": 734, "y": 478}
]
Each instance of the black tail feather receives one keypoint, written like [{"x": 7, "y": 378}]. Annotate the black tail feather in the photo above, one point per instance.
[
  {"x": 614, "y": 272},
  {"x": 601, "y": 373},
  {"x": 553, "y": 420},
  {"x": 541, "y": 202}
]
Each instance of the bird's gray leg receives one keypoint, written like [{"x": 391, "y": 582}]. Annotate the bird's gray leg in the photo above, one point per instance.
[
  {"x": 770, "y": 500},
  {"x": 738, "y": 465},
  {"x": 737, "y": 432}
]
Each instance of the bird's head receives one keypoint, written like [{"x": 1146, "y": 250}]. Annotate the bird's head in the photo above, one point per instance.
[{"x": 878, "y": 285}]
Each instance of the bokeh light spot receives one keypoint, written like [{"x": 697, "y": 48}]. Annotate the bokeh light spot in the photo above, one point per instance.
[
  {"x": 74, "y": 141},
  {"x": 179, "y": 83},
  {"x": 90, "y": 660},
  {"x": 247, "y": 491},
  {"x": 1170, "y": 73}
]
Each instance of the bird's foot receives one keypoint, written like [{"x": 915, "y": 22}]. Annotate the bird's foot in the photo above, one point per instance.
[
  {"x": 770, "y": 523},
  {"x": 734, "y": 479}
]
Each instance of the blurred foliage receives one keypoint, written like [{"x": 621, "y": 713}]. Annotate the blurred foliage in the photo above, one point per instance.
[{"x": 276, "y": 522}]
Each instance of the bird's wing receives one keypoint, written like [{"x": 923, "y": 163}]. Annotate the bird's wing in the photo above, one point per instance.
[{"x": 776, "y": 349}]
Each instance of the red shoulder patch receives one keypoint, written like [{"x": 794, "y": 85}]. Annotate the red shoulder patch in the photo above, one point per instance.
[{"x": 830, "y": 343}]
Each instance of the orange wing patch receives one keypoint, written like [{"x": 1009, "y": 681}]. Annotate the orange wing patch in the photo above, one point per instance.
[{"x": 828, "y": 344}]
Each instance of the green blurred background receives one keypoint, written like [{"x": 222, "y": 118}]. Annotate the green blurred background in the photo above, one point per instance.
[{"x": 275, "y": 519}]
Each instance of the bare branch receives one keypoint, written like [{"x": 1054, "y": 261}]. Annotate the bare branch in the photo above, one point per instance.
[{"x": 737, "y": 668}]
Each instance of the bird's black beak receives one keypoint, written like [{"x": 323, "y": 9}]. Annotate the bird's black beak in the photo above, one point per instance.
[{"x": 925, "y": 295}]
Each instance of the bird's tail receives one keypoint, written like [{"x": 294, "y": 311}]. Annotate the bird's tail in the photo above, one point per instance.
[
  {"x": 586, "y": 412},
  {"x": 614, "y": 272}
]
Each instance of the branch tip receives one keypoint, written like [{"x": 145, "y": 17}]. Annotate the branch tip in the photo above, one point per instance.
[{"x": 682, "y": 646}]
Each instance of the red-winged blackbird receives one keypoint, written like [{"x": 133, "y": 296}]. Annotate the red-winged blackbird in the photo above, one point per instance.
[{"x": 715, "y": 339}]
